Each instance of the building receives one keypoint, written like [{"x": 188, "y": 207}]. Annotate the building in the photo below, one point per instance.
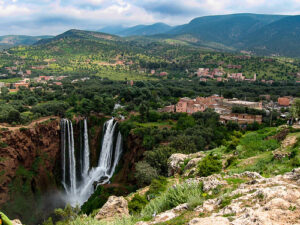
[
  {"x": 163, "y": 74},
  {"x": 284, "y": 101},
  {"x": 235, "y": 102},
  {"x": 241, "y": 119}
]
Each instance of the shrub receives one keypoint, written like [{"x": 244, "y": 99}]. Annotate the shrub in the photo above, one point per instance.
[
  {"x": 144, "y": 173},
  {"x": 231, "y": 161},
  {"x": 158, "y": 158},
  {"x": 158, "y": 186},
  {"x": 137, "y": 204},
  {"x": 209, "y": 165}
]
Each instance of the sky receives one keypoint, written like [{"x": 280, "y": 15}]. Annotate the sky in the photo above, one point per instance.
[{"x": 52, "y": 17}]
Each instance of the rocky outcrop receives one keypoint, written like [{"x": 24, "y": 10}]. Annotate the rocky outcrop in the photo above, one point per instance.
[
  {"x": 176, "y": 162},
  {"x": 209, "y": 183},
  {"x": 166, "y": 216},
  {"x": 260, "y": 201},
  {"x": 114, "y": 207},
  {"x": 36, "y": 148},
  {"x": 209, "y": 221},
  {"x": 16, "y": 222}
]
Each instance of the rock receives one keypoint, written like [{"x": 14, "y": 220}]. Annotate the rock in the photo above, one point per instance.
[
  {"x": 166, "y": 216},
  {"x": 163, "y": 217},
  {"x": 199, "y": 209},
  {"x": 180, "y": 208},
  {"x": 210, "y": 205},
  {"x": 277, "y": 203},
  {"x": 175, "y": 162},
  {"x": 114, "y": 207},
  {"x": 192, "y": 163},
  {"x": 16, "y": 222},
  {"x": 209, "y": 183},
  {"x": 210, "y": 221},
  {"x": 253, "y": 175}
]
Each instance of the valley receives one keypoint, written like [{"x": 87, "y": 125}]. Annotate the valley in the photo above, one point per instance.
[{"x": 195, "y": 125}]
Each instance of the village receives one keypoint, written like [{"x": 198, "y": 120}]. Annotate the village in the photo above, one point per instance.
[{"x": 224, "y": 107}]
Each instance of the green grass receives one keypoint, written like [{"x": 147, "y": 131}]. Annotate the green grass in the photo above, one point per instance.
[
  {"x": 10, "y": 80},
  {"x": 155, "y": 124},
  {"x": 174, "y": 196}
]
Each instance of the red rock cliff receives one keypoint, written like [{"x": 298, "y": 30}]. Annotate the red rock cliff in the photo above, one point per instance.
[{"x": 22, "y": 146}]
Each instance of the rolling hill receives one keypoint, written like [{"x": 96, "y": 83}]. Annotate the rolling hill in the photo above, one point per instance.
[
  {"x": 139, "y": 30},
  {"x": 14, "y": 40},
  {"x": 260, "y": 34}
]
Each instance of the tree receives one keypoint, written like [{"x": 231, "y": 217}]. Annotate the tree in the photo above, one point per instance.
[
  {"x": 185, "y": 122},
  {"x": 144, "y": 173},
  {"x": 209, "y": 165},
  {"x": 13, "y": 116},
  {"x": 295, "y": 109}
]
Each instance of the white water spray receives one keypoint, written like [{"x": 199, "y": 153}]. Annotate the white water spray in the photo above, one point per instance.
[{"x": 78, "y": 192}]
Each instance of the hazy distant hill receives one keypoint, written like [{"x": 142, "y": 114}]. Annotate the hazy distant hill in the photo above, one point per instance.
[
  {"x": 140, "y": 30},
  {"x": 280, "y": 37},
  {"x": 13, "y": 40},
  {"x": 227, "y": 29},
  {"x": 79, "y": 34},
  {"x": 260, "y": 34}
]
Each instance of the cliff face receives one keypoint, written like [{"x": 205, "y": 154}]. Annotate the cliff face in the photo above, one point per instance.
[
  {"x": 133, "y": 152},
  {"x": 35, "y": 149}
]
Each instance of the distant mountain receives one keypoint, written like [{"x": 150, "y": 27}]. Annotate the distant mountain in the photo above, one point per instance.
[
  {"x": 280, "y": 37},
  {"x": 79, "y": 34},
  {"x": 112, "y": 29},
  {"x": 226, "y": 29},
  {"x": 139, "y": 30},
  {"x": 13, "y": 40}
]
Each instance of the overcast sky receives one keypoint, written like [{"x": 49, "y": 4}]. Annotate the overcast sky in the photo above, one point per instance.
[{"x": 37, "y": 17}]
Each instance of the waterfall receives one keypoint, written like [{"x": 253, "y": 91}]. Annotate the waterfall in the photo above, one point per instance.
[
  {"x": 78, "y": 191},
  {"x": 86, "y": 150},
  {"x": 68, "y": 157}
]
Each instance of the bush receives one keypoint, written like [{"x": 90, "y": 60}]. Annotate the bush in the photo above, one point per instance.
[
  {"x": 230, "y": 161},
  {"x": 144, "y": 173},
  {"x": 137, "y": 204},
  {"x": 157, "y": 187},
  {"x": 158, "y": 158},
  {"x": 209, "y": 165}
]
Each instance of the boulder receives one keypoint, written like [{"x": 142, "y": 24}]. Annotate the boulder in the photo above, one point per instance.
[
  {"x": 114, "y": 207},
  {"x": 175, "y": 162},
  {"x": 209, "y": 183},
  {"x": 16, "y": 222},
  {"x": 210, "y": 221},
  {"x": 192, "y": 163},
  {"x": 210, "y": 205}
]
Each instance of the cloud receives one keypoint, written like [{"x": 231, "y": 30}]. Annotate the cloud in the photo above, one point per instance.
[{"x": 34, "y": 17}]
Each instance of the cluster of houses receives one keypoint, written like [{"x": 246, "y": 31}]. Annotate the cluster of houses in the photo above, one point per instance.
[
  {"x": 220, "y": 105},
  {"x": 25, "y": 82},
  {"x": 224, "y": 107},
  {"x": 219, "y": 75}
]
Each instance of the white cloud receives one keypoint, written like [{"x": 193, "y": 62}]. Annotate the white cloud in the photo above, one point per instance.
[{"x": 56, "y": 16}]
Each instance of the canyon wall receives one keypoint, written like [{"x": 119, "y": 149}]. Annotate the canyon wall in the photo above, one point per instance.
[{"x": 34, "y": 149}]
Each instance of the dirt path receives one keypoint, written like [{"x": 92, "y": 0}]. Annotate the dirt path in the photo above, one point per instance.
[{"x": 31, "y": 125}]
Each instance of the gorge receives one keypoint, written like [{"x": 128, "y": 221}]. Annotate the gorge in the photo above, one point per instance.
[{"x": 56, "y": 162}]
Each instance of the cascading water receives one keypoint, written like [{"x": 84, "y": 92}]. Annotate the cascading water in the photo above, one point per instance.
[
  {"x": 86, "y": 151},
  {"x": 78, "y": 192},
  {"x": 68, "y": 157}
]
